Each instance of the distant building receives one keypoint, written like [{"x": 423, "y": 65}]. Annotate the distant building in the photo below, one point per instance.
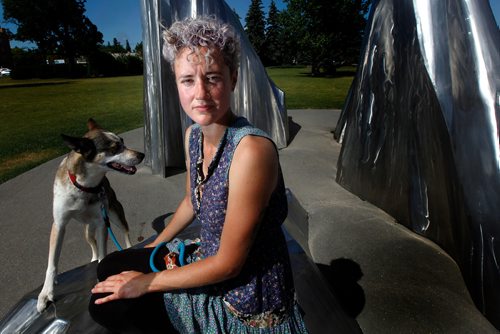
[
  {"x": 5, "y": 54},
  {"x": 124, "y": 54}
]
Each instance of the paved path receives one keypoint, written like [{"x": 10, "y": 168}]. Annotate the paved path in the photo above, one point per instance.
[{"x": 390, "y": 279}]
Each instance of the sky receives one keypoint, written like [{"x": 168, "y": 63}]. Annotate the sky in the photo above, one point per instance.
[
  {"x": 125, "y": 22},
  {"x": 121, "y": 19}
]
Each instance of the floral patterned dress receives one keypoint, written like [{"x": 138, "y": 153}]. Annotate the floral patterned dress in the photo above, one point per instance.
[{"x": 261, "y": 298}]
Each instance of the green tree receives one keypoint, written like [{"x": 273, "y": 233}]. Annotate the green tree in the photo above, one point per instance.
[
  {"x": 128, "y": 49},
  {"x": 324, "y": 33},
  {"x": 255, "y": 26},
  {"x": 351, "y": 27},
  {"x": 25, "y": 63},
  {"x": 293, "y": 25},
  {"x": 273, "y": 49},
  {"x": 5, "y": 51},
  {"x": 117, "y": 47},
  {"x": 57, "y": 27},
  {"x": 138, "y": 49}
]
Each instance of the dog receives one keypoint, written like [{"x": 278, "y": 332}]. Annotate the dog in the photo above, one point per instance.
[{"x": 83, "y": 193}]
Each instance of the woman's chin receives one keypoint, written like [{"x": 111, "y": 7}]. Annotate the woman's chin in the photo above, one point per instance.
[
  {"x": 207, "y": 119},
  {"x": 204, "y": 120}
]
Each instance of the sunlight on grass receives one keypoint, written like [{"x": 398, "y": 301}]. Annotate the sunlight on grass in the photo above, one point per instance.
[
  {"x": 22, "y": 162},
  {"x": 35, "y": 112},
  {"x": 27, "y": 157},
  {"x": 303, "y": 91}
]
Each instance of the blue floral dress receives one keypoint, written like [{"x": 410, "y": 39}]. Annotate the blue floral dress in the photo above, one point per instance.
[{"x": 261, "y": 298}]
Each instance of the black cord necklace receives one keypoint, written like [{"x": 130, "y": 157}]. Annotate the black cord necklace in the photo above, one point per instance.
[{"x": 201, "y": 178}]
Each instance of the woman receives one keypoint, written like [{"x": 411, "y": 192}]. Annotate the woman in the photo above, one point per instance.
[{"x": 242, "y": 281}]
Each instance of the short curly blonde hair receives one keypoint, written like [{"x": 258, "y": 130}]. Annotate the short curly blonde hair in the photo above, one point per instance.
[{"x": 194, "y": 33}]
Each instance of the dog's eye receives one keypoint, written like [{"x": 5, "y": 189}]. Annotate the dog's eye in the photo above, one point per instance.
[{"x": 116, "y": 148}]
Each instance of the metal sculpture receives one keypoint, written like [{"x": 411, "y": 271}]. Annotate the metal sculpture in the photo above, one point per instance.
[
  {"x": 255, "y": 97},
  {"x": 420, "y": 130}
]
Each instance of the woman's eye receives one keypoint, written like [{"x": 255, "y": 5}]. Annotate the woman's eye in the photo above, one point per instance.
[
  {"x": 187, "y": 82},
  {"x": 213, "y": 79}
]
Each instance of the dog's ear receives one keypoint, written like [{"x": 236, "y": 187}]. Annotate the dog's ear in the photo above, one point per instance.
[
  {"x": 92, "y": 124},
  {"x": 84, "y": 146}
]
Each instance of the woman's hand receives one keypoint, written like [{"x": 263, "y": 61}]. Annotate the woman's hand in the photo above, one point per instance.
[{"x": 128, "y": 284}]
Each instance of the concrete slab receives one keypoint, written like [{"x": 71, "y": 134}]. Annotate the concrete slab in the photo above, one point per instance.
[
  {"x": 384, "y": 276},
  {"x": 387, "y": 277}
]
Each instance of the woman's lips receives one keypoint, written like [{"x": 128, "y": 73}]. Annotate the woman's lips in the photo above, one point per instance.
[{"x": 203, "y": 107}]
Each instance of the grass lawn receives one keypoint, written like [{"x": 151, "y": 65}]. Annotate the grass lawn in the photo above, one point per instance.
[
  {"x": 302, "y": 91},
  {"x": 35, "y": 112}
]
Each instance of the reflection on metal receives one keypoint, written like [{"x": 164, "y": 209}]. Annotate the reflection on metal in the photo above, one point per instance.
[
  {"x": 22, "y": 318},
  {"x": 256, "y": 97},
  {"x": 57, "y": 326},
  {"x": 67, "y": 315},
  {"x": 420, "y": 130}
]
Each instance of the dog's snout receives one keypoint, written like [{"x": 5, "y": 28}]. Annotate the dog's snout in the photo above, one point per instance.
[{"x": 140, "y": 156}]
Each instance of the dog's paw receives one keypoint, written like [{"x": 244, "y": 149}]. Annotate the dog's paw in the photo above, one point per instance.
[{"x": 43, "y": 299}]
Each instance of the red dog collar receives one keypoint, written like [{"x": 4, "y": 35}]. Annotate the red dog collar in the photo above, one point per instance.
[{"x": 93, "y": 190}]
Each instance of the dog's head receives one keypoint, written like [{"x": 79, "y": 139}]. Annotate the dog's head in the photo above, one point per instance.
[{"x": 104, "y": 149}]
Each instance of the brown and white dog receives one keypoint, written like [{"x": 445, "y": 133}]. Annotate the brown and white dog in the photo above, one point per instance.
[{"x": 82, "y": 192}]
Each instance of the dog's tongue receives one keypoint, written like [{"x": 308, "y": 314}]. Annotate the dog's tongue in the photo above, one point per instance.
[
  {"x": 123, "y": 168},
  {"x": 130, "y": 169}
]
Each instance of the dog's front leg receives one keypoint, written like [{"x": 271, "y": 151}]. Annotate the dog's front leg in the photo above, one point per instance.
[
  {"x": 102, "y": 238},
  {"x": 90, "y": 237},
  {"x": 55, "y": 245}
]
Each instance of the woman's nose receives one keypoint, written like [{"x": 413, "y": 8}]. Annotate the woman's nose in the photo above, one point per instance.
[{"x": 202, "y": 90}]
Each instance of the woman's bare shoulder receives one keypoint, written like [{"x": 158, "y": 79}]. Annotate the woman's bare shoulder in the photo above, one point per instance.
[
  {"x": 256, "y": 147},
  {"x": 255, "y": 156}
]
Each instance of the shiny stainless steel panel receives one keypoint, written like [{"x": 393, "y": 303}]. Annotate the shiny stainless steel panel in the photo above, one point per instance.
[{"x": 420, "y": 130}]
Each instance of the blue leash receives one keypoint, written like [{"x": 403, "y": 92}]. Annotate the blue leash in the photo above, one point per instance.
[
  {"x": 181, "y": 247},
  {"x": 104, "y": 214},
  {"x": 101, "y": 192},
  {"x": 151, "y": 262}
]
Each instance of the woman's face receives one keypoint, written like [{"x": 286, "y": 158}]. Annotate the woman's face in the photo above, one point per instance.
[{"x": 204, "y": 89}]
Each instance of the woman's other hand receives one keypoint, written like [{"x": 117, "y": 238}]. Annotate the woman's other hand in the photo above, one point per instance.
[{"x": 128, "y": 284}]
